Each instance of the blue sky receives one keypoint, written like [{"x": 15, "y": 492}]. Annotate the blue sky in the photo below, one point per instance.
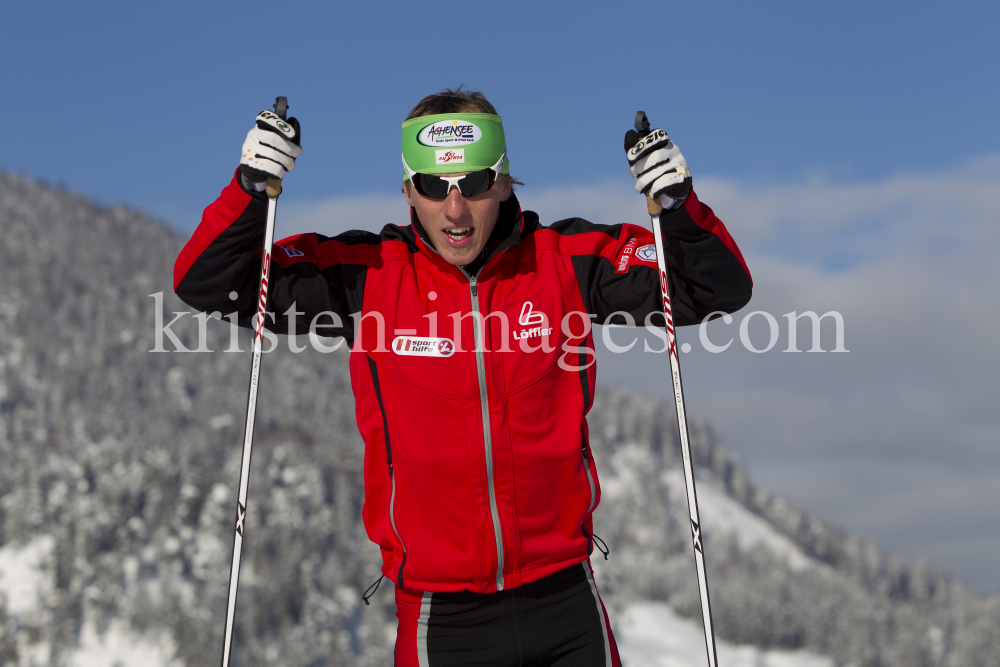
[
  {"x": 147, "y": 103},
  {"x": 852, "y": 149}
]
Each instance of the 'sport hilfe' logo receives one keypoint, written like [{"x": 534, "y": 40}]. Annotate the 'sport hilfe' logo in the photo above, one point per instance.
[
  {"x": 415, "y": 346},
  {"x": 449, "y": 133}
]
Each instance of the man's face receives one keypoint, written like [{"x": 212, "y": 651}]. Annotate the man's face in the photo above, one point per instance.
[{"x": 458, "y": 226}]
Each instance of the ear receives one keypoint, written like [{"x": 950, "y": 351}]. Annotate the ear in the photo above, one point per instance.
[
  {"x": 508, "y": 189},
  {"x": 407, "y": 193}
]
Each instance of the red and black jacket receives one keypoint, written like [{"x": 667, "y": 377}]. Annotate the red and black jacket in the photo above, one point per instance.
[{"x": 471, "y": 389}]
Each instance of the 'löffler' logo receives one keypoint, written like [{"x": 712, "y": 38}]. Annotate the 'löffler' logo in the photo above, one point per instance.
[
  {"x": 526, "y": 319},
  {"x": 414, "y": 346}
]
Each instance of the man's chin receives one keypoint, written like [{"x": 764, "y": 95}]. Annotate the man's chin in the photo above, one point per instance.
[{"x": 461, "y": 255}]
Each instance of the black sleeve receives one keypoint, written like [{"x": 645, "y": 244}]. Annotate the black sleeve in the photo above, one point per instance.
[
  {"x": 223, "y": 260},
  {"x": 705, "y": 268}
]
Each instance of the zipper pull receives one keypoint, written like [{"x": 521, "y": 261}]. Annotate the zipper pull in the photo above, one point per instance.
[{"x": 472, "y": 283}]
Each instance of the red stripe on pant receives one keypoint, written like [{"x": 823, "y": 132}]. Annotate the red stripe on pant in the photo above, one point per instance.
[
  {"x": 616, "y": 660},
  {"x": 412, "y": 610}
]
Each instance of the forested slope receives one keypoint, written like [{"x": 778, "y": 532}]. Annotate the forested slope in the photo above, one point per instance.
[{"x": 128, "y": 461}]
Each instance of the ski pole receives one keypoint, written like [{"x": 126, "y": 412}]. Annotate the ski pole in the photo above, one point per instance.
[
  {"x": 654, "y": 208},
  {"x": 273, "y": 190}
]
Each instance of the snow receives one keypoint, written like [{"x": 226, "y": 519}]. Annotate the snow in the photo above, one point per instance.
[
  {"x": 25, "y": 585},
  {"x": 26, "y": 582},
  {"x": 721, "y": 514},
  {"x": 22, "y": 573},
  {"x": 120, "y": 647},
  {"x": 650, "y": 634}
]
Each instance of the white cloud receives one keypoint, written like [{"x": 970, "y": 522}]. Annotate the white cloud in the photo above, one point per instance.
[
  {"x": 909, "y": 413},
  {"x": 333, "y": 216},
  {"x": 896, "y": 439}
]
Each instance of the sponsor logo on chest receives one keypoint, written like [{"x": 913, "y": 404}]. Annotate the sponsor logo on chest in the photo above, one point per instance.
[
  {"x": 416, "y": 346},
  {"x": 526, "y": 319}
]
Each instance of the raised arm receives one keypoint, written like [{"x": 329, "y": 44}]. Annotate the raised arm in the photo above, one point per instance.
[
  {"x": 313, "y": 273},
  {"x": 219, "y": 266},
  {"x": 616, "y": 266},
  {"x": 707, "y": 270}
]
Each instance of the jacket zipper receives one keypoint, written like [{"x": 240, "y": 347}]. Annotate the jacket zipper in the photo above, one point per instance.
[{"x": 485, "y": 407}]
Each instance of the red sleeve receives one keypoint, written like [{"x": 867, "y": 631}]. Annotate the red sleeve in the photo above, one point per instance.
[
  {"x": 217, "y": 217},
  {"x": 218, "y": 269},
  {"x": 705, "y": 217}
]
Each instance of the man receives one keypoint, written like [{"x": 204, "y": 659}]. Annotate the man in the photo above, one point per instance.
[{"x": 472, "y": 368}]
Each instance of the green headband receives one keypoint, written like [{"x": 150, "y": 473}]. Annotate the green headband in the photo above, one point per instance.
[{"x": 453, "y": 142}]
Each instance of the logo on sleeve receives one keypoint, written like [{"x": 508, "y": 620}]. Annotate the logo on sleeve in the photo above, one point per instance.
[
  {"x": 291, "y": 252},
  {"x": 626, "y": 255},
  {"x": 647, "y": 253},
  {"x": 414, "y": 346}
]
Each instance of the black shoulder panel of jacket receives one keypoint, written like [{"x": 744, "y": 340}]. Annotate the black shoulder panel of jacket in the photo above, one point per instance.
[
  {"x": 395, "y": 233},
  {"x": 705, "y": 273},
  {"x": 309, "y": 283}
]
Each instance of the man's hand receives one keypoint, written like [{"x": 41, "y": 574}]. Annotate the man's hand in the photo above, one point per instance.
[
  {"x": 270, "y": 150},
  {"x": 658, "y": 168}
]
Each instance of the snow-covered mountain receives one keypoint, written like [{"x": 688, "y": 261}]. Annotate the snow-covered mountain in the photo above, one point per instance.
[{"x": 118, "y": 469}]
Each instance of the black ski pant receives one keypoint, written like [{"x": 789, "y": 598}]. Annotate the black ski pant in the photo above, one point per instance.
[{"x": 558, "y": 621}]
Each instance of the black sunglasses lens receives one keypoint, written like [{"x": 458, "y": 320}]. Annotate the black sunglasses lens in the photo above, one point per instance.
[
  {"x": 476, "y": 183},
  {"x": 431, "y": 186}
]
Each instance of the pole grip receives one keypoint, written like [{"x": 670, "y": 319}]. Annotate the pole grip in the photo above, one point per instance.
[
  {"x": 652, "y": 206},
  {"x": 273, "y": 188}
]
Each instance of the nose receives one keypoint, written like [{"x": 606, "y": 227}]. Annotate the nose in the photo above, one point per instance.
[{"x": 455, "y": 205}]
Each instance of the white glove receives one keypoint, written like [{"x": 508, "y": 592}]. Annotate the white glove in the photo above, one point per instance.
[
  {"x": 271, "y": 148},
  {"x": 658, "y": 168}
]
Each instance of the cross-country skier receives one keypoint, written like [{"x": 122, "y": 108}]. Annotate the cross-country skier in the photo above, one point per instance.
[{"x": 472, "y": 368}]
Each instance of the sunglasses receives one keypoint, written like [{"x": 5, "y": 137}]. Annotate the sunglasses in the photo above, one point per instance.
[{"x": 470, "y": 185}]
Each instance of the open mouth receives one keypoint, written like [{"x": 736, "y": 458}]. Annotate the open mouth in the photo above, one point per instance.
[{"x": 458, "y": 233}]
